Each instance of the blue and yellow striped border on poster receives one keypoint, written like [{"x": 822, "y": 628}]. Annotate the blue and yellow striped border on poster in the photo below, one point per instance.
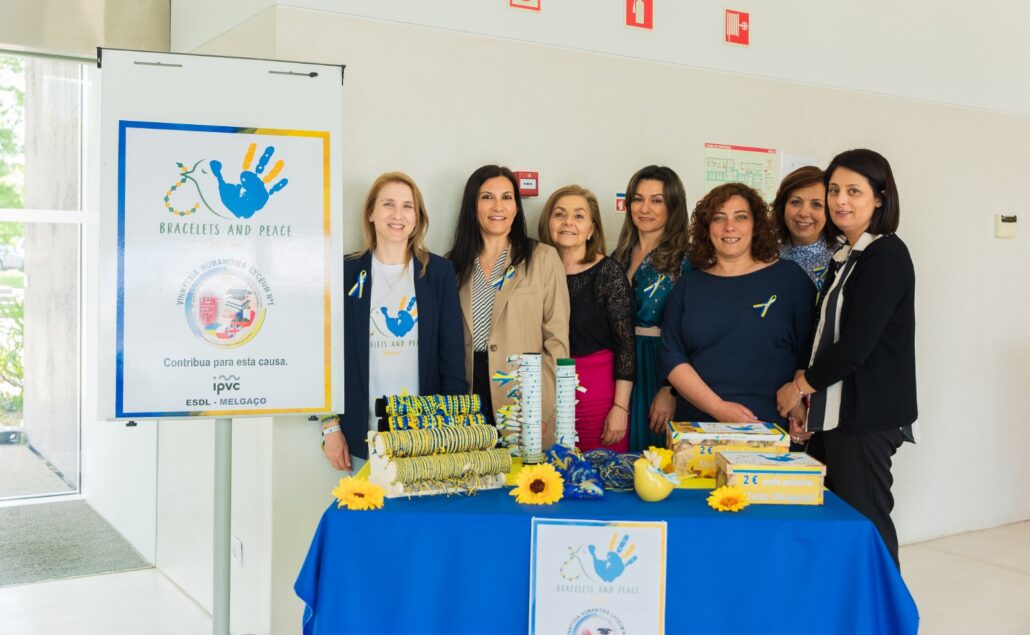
[
  {"x": 120, "y": 291},
  {"x": 616, "y": 524}
]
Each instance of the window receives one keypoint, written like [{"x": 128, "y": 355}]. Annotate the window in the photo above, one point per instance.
[{"x": 41, "y": 227}]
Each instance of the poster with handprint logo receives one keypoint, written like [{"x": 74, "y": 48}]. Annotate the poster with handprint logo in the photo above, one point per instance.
[
  {"x": 592, "y": 577},
  {"x": 224, "y": 270}
]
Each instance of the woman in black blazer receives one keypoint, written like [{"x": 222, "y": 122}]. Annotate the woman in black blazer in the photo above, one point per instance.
[
  {"x": 412, "y": 333},
  {"x": 862, "y": 375}
]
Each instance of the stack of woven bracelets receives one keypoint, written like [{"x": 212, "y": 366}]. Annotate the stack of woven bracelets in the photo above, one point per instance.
[{"x": 433, "y": 444}]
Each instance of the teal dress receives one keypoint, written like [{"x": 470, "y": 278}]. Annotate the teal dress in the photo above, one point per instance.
[{"x": 650, "y": 290}]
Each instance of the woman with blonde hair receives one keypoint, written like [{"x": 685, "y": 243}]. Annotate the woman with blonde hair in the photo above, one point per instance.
[
  {"x": 601, "y": 321},
  {"x": 653, "y": 250},
  {"x": 411, "y": 339}
]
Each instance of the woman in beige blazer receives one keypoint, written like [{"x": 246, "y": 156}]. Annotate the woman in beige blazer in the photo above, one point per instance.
[{"x": 512, "y": 289}]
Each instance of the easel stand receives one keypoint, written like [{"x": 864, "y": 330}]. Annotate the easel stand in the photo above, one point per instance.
[{"x": 223, "y": 529}]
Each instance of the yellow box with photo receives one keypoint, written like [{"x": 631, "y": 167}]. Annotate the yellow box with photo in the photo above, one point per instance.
[
  {"x": 791, "y": 478},
  {"x": 694, "y": 444}
]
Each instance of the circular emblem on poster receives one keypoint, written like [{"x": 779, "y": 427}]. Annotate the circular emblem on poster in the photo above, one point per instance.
[{"x": 224, "y": 308}]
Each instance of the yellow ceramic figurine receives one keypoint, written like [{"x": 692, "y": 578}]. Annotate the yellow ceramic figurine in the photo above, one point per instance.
[{"x": 650, "y": 482}]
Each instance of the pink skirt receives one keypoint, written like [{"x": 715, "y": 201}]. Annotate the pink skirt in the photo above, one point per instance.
[{"x": 596, "y": 373}]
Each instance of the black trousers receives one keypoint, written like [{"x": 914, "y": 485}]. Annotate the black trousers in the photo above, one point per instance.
[
  {"x": 481, "y": 383},
  {"x": 858, "y": 469}
]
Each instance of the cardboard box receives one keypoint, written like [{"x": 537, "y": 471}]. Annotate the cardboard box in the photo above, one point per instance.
[
  {"x": 793, "y": 478},
  {"x": 695, "y": 443}
]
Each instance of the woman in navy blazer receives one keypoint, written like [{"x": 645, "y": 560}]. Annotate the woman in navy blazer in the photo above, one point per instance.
[{"x": 395, "y": 218}]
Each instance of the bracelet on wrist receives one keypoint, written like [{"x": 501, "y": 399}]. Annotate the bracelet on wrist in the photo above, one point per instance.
[
  {"x": 621, "y": 407},
  {"x": 327, "y": 431}
]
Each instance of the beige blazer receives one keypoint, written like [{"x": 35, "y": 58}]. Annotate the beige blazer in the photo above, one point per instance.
[{"x": 530, "y": 315}]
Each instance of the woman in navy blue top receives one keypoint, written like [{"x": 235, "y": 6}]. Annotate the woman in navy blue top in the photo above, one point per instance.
[
  {"x": 737, "y": 326},
  {"x": 395, "y": 223}
]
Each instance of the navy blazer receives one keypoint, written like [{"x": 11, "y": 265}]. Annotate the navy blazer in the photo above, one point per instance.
[{"x": 441, "y": 342}]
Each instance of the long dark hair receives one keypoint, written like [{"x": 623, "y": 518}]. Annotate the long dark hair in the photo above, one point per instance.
[
  {"x": 468, "y": 241},
  {"x": 668, "y": 255}
]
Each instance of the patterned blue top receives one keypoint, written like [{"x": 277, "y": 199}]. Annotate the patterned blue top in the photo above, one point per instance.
[
  {"x": 650, "y": 290},
  {"x": 814, "y": 259}
]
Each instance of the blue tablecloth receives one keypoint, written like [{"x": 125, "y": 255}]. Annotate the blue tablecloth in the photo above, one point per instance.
[{"x": 455, "y": 565}]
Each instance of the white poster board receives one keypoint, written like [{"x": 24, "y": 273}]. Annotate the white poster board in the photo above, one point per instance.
[
  {"x": 758, "y": 168},
  {"x": 593, "y": 576},
  {"x": 220, "y": 215}
]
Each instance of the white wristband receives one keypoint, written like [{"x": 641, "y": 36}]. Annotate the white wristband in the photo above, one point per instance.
[{"x": 327, "y": 431}]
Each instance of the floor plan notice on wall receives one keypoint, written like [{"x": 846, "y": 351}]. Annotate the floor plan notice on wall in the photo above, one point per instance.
[{"x": 757, "y": 167}]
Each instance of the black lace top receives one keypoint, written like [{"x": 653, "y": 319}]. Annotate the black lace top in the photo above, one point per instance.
[{"x": 602, "y": 315}]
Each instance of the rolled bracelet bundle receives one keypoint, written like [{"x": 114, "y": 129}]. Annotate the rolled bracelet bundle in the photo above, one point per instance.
[
  {"x": 469, "y": 484},
  {"x": 407, "y": 443},
  {"x": 397, "y": 405},
  {"x": 413, "y": 422},
  {"x": 448, "y": 466}
]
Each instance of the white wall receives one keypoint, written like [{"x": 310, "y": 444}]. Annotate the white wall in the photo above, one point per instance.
[
  {"x": 967, "y": 55},
  {"x": 80, "y": 26},
  {"x": 438, "y": 103}
]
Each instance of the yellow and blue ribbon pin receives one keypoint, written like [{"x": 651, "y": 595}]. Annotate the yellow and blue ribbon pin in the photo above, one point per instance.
[
  {"x": 765, "y": 305},
  {"x": 651, "y": 288},
  {"x": 503, "y": 378},
  {"x": 508, "y": 275},
  {"x": 359, "y": 287}
]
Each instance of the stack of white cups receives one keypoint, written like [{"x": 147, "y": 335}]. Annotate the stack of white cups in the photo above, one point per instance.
[
  {"x": 565, "y": 403},
  {"x": 531, "y": 384}
]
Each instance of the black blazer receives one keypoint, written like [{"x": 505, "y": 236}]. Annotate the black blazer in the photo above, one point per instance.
[
  {"x": 875, "y": 355},
  {"x": 441, "y": 343}
]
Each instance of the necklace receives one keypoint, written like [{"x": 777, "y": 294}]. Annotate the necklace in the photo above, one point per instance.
[{"x": 388, "y": 275}]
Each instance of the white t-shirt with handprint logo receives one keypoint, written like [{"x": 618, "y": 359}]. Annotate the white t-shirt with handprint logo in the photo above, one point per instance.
[{"x": 392, "y": 334}]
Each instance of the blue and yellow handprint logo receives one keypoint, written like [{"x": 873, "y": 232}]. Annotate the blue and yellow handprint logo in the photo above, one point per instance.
[
  {"x": 223, "y": 198},
  {"x": 399, "y": 323},
  {"x": 246, "y": 198},
  {"x": 608, "y": 568},
  {"x": 616, "y": 562}
]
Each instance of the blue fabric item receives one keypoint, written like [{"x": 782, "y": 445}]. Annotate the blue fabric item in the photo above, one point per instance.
[
  {"x": 581, "y": 479},
  {"x": 744, "y": 335},
  {"x": 650, "y": 291},
  {"x": 814, "y": 259},
  {"x": 441, "y": 341},
  {"x": 439, "y": 564}
]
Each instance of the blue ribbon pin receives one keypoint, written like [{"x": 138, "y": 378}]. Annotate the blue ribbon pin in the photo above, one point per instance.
[
  {"x": 651, "y": 288},
  {"x": 359, "y": 287},
  {"x": 508, "y": 275}
]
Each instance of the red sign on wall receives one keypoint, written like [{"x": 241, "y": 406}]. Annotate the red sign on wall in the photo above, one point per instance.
[
  {"x": 738, "y": 27},
  {"x": 532, "y": 5},
  {"x": 640, "y": 14}
]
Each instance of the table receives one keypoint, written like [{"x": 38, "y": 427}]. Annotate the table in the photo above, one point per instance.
[{"x": 454, "y": 565}]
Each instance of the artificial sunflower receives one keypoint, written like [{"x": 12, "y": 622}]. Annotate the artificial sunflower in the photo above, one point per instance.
[
  {"x": 538, "y": 485},
  {"x": 357, "y": 494},
  {"x": 728, "y": 498},
  {"x": 664, "y": 458}
]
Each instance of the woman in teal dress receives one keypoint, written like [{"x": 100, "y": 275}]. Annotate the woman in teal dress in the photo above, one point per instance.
[{"x": 653, "y": 249}]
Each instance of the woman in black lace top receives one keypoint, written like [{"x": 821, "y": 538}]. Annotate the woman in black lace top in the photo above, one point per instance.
[{"x": 601, "y": 323}]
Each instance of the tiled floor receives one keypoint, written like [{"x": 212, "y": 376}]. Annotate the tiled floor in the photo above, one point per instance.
[
  {"x": 972, "y": 583},
  {"x": 967, "y": 584},
  {"x": 130, "y": 603}
]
